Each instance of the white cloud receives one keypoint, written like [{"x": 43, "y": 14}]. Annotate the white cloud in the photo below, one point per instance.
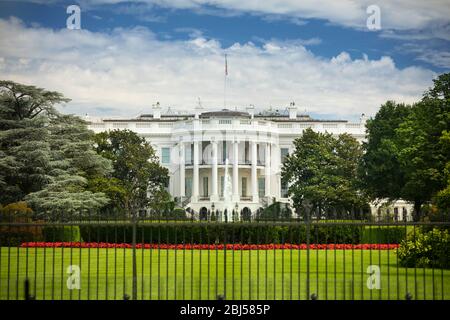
[
  {"x": 395, "y": 14},
  {"x": 126, "y": 71}
]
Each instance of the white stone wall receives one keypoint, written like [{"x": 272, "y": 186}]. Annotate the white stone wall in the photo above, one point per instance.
[{"x": 279, "y": 134}]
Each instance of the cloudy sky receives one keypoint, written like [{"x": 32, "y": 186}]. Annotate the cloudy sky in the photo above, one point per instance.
[{"x": 130, "y": 54}]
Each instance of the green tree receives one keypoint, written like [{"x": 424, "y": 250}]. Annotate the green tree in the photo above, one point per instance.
[
  {"x": 112, "y": 188},
  {"x": 405, "y": 151},
  {"x": 19, "y": 101},
  {"x": 349, "y": 153},
  {"x": 72, "y": 163},
  {"x": 380, "y": 172},
  {"x": 423, "y": 151},
  {"x": 45, "y": 156},
  {"x": 442, "y": 198},
  {"x": 135, "y": 164},
  {"x": 321, "y": 172}
]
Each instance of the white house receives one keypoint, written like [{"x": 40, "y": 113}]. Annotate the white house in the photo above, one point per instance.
[{"x": 199, "y": 148}]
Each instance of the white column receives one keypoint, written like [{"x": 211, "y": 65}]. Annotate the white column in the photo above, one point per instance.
[
  {"x": 214, "y": 193},
  {"x": 195, "y": 178},
  {"x": 276, "y": 169},
  {"x": 235, "y": 197},
  {"x": 182, "y": 170},
  {"x": 254, "y": 172},
  {"x": 267, "y": 170}
]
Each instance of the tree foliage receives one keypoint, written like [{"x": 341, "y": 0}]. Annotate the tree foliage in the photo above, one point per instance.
[
  {"x": 45, "y": 157},
  {"x": 322, "y": 171},
  {"x": 380, "y": 171},
  {"x": 407, "y": 149},
  {"x": 139, "y": 175}
]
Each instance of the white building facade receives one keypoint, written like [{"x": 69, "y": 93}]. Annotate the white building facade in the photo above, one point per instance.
[{"x": 199, "y": 148}]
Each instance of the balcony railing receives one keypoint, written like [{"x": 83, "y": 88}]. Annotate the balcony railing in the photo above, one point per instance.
[{"x": 222, "y": 162}]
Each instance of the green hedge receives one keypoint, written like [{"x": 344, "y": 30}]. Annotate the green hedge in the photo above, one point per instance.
[
  {"x": 16, "y": 238},
  {"x": 384, "y": 234},
  {"x": 62, "y": 234},
  {"x": 221, "y": 233}
]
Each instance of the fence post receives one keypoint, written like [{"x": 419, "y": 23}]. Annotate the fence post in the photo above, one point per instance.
[
  {"x": 133, "y": 246},
  {"x": 308, "y": 233},
  {"x": 27, "y": 290}
]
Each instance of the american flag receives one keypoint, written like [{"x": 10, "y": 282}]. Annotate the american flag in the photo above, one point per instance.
[{"x": 226, "y": 65}]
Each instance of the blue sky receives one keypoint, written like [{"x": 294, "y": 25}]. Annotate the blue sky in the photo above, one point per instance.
[{"x": 295, "y": 50}]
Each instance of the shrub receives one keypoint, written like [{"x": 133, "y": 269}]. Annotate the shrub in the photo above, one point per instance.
[
  {"x": 62, "y": 234},
  {"x": 385, "y": 234},
  {"x": 276, "y": 211},
  {"x": 18, "y": 212},
  {"x": 426, "y": 249},
  {"x": 175, "y": 214},
  {"x": 211, "y": 233}
]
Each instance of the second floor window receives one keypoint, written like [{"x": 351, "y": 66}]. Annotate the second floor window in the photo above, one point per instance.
[
  {"x": 165, "y": 155},
  {"x": 261, "y": 187},
  {"x": 284, "y": 152}
]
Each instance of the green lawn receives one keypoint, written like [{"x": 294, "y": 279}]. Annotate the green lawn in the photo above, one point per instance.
[{"x": 201, "y": 274}]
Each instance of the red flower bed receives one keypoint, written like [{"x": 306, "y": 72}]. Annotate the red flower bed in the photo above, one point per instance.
[{"x": 285, "y": 246}]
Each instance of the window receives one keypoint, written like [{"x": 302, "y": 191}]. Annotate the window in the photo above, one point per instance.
[
  {"x": 246, "y": 151},
  {"x": 224, "y": 151},
  {"x": 205, "y": 187},
  {"x": 188, "y": 152},
  {"x": 261, "y": 187},
  {"x": 165, "y": 155},
  {"x": 188, "y": 186},
  {"x": 284, "y": 190},
  {"x": 222, "y": 185},
  {"x": 244, "y": 186},
  {"x": 284, "y": 152}
]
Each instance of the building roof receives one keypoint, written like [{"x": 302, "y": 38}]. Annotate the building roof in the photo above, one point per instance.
[{"x": 224, "y": 113}]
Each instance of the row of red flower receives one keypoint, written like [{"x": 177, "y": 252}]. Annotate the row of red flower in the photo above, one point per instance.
[{"x": 288, "y": 246}]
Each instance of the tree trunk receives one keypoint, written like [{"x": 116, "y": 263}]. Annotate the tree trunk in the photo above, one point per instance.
[{"x": 417, "y": 211}]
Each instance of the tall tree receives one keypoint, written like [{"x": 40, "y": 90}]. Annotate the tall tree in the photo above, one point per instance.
[
  {"x": 45, "y": 156},
  {"x": 321, "y": 172},
  {"x": 405, "y": 154},
  {"x": 421, "y": 146},
  {"x": 442, "y": 198},
  {"x": 135, "y": 165},
  {"x": 19, "y": 101},
  {"x": 72, "y": 163},
  {"x": 380, "y": 171}
]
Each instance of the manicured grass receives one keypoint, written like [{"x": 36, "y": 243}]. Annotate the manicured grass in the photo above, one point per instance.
[{"x": 201, "y": 274}]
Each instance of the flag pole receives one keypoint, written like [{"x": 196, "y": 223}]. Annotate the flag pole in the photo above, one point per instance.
[{"x": 225, "y": 83}]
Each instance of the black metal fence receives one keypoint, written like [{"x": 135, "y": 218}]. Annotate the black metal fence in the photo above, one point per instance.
[{"x": 109, "y": 256}]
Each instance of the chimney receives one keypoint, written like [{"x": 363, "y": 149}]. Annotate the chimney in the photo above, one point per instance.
[
  {"x": 292, "y": 111},
  {"x": 251, "y": 110},
  {"x": 198, "y": 109},
  {"x": 363, "y": 119},
  {"x": 156, "y": 111}
]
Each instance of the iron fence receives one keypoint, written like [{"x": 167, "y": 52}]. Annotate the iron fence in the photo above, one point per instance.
[{"x": 107, "y": 256}]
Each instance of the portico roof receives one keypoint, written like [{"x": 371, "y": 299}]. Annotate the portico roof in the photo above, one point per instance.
[{"x": 224, "y": 113}]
